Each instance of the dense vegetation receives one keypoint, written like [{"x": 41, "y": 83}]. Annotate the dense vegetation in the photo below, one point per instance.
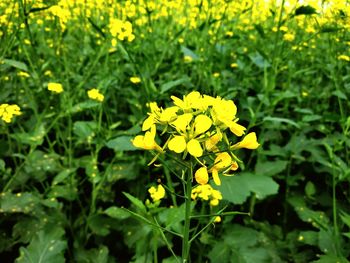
[{"x": 78, "y": 80}]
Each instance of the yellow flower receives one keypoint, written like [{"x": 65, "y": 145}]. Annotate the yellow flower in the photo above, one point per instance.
[
  {"x": 178, "y": 144},
  {"x": 157, "y": 193},
  {"x": 135, "y": 80},
  {"x": 344, "y": 57},
  {"x": 95, "y": 94},
  {"x": 147, "y": 141},
  {"x": 7, "y": 112},
  {"x": 206, "y": 193},
  {"x": 217, "y": 219},
  {"x": 188, "y": 59},
  {"x": 289, "y": 37},
  {"x": 234, "y": 65},
  {"x": 201, "y": 175},
  {"x": 23, "y": 74},
  {"x": 55, "y": 87},
  {"x": 248, "y": 142},
  {"x": 222, "y": 162}
]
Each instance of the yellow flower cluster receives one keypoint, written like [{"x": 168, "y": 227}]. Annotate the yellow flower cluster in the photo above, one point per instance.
[
  {"x": 95, "y": 94},
  {"x": 207, "y": 193},
  {"x": 157, "y": 193},
  {"x": 197, "y": 126},
  {"x": 7, "y": 112},
  {"x": 55, "y": 87}
]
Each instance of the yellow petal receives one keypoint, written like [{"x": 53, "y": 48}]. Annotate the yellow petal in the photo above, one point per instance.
[
  {"x": 216, "y": 177},
  {"x": 248, "y": 142},
  {"x": 222, "y": 160},
  {"x": 148, "y": 123},
  {"x": 201, "y": 175},
  {"x": 194, "y": 148},
  {"x": 237, "y": 129},
  {"x": 177, "y": 144},
  {"x": 138, "y": 141},
  {"x": 182, "y": 122},
  {"x": 202, "y": 123}
]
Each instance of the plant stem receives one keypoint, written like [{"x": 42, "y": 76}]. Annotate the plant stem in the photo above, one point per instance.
[{"x": 186, "y": 231}]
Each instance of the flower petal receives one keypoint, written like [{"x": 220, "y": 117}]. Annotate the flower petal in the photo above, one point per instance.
[
  {"x": 216, "y": 177},
  {"x": 177, "y": 144},
  {"x": 202, "y": 123},
  {"x": 201, "y": 176},
  {"x": 194, "y": 148},
  {"x": 248, "y": 142}
]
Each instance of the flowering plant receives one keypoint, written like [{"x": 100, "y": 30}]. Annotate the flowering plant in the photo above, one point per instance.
[{"x": 197, "y": 130}]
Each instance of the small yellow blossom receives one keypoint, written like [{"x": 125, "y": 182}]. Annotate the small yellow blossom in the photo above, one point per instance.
[
  {"x": 234, "y": 65},
  {"x": 157, "y": 193},
  {"x": 135, "y": 80},
  {"x": 216, "y": 74},
  {"x": 23, "y": 74},
  {"x": 217, "y": 219},
  {"x": 7, "y": 112},
  {"x": 188, "y": 59},
  {"x": 95, "y": 94},
  {"x": 248, "y": 142},
  {"x": 344, "y": 57},
  {"x": 206, "y": 193},
  {"x": 55, "y": 87},
  {"x": 289, "y": 37}
]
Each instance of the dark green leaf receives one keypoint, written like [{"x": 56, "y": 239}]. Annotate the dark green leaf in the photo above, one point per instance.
[
  {"x": 305, "y": 10},
  {"x": 117, "y": 212},
  {"x": 47, "y": 246}
]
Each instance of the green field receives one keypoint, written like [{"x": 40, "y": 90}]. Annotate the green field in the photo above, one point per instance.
[{"x": 174, "y": 131}]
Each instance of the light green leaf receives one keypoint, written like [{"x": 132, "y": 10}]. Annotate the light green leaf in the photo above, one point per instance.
[
  {"x": 84, "y": 129},
  {"x": 137, "y": 202},
  {"x": 281, "y": 120},
  {"x": 16, "y": 64},
  {"x": 270, "y": 168},
  {"x": 47, "y": 246},
  {"x": 174, "y": 83},
  {"x": 121, "y": 143},
  {"x": 117, "y": 212}
]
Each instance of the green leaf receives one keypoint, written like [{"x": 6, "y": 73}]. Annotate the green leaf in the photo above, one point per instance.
[
  {"x": 305, "y": 10},
  {"x": 121, "y": 170},
  {"x": 62, "y": 176},
  {"x": 330, "y": 258},
  {"x": 137, "y": 202},
  {"x": 121, "y": 143},
  {"x": 308, "y": 237},
  {"x": 18, "y": 203},
  {"x": 236, "y": 189},
  {"x": 270, "y": 168},
  {"x": 84, "y": 106},
  {"x": 188, "y": 52},
  {"x": 340, "y": 94},
  {"x": 47, "y": 246},
  {"x": 95, "y": 255},
  {"x": 33, "y": 138},
  {"x": 281, "y": 120},
  {"x": 117, "y": 212},
  {"x": 174, "y": 83},
  {"x": 100, "y": 224},
  {"x": 259, "y": 60},
  {"x": 84, "y": 129},
  {"x": 15, "y": 64},
  {"x": 310, "y": 189},
  {"x": 261, "y": 185},
  {"x": 309, "y": 118}
]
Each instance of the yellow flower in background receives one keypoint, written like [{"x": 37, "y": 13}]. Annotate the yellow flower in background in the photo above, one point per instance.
[
  {"x": 7, "y": 112},
  {"x": 23, "y": 74},
  {"x": 248, "y": 142},
  {"x": 157, "y": 193},
  {"x": 95, "y": 94},
  {"x": 135, "y": 80},
  {"x": 55, "y": 87},
  {"x": 344, "y": 57},
  {"x": 289, "y": 37},
  {"x": 188, "y": 59}
]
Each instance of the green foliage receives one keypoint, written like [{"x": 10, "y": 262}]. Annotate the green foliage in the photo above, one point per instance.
[{"x": 73, "y": 188}]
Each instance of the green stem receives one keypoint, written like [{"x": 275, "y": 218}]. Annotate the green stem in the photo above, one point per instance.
[{"x": 186, "y": 231}]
